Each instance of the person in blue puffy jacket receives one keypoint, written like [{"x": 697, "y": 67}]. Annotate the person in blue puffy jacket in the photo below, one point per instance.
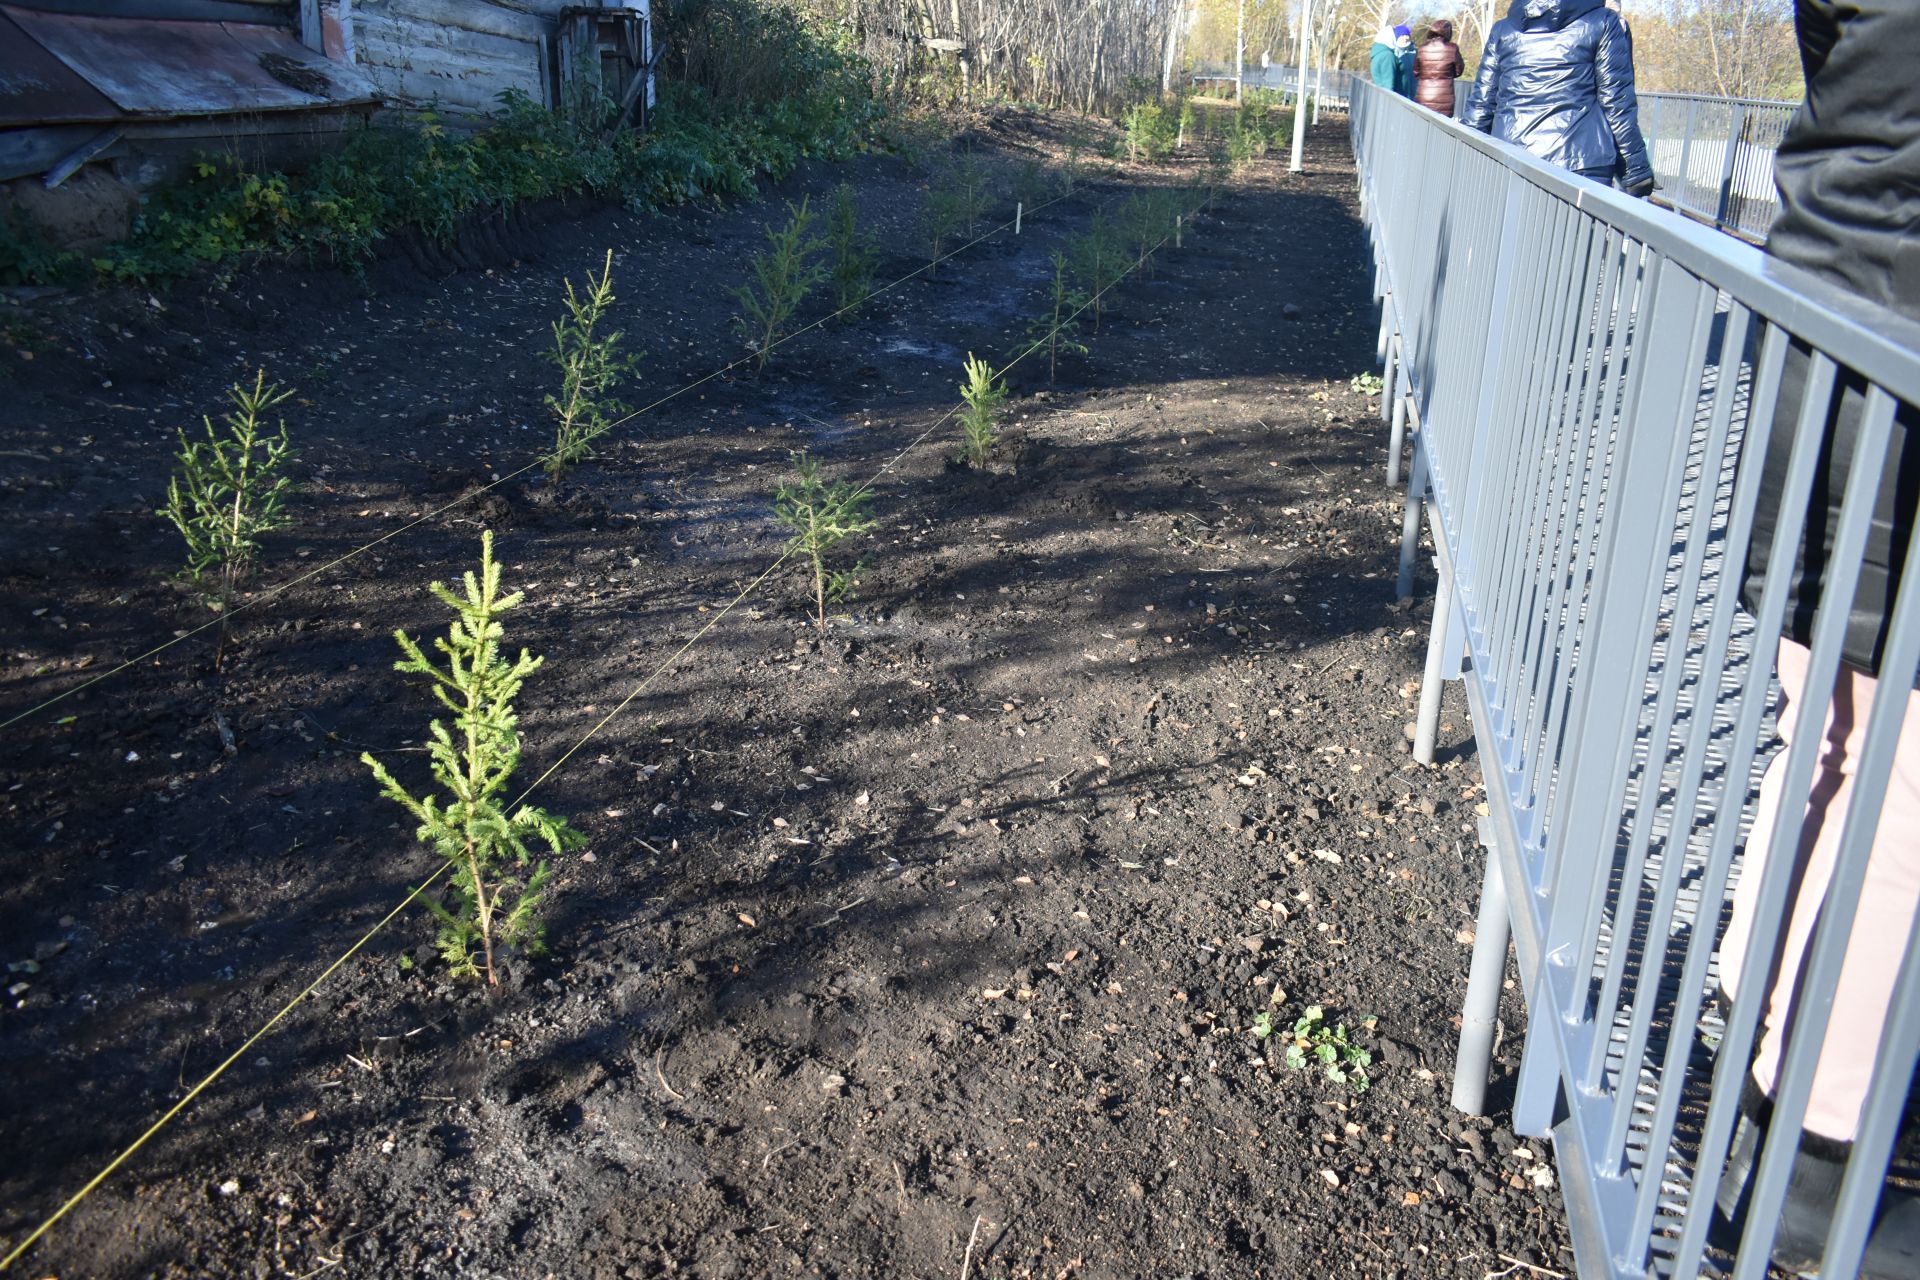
[{"x": 1557, "y": 79}]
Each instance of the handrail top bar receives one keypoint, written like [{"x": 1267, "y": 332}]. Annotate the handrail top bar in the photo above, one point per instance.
[
  {"x": 1880, "y": 344},
  {"x": 1788, "y": 103}
]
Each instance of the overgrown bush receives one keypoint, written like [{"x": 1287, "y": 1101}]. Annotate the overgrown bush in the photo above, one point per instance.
[
  {"x": 496, "y": 888},
  {"x": 822, "y": 516},
  {"x": 768, "y": 88},
  {"x": 592, "y": 368},
  {"x": 783, "y": 274}
]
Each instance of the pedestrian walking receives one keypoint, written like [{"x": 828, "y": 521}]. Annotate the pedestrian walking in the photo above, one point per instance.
[
  {"x": 1557, "y": 79},
  {"x": 1383, "y": 63},
  {"x": 1404, "y": 53},
  {"x": 1848, "y": 172},
  {"x": 1436, "y": 65}
]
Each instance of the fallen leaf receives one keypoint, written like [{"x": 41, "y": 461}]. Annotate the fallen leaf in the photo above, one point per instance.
[
  {"x": 993, "y": 993},
  {"x": 1464, "y": 936},
  {"x": 1411, "y": 1198},
  {"x": 1333, "y": 1179},
  {"x": 748, "y": 921}
]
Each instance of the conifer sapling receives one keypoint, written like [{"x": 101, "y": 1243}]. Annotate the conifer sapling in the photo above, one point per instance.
[
  {"x": 853, "y": 253},
  {"x": 980, "y": 395},
  {"x": 822, "y": 516},
  {"x": 784, "y": 273},
  {"x": 496, "y": 888},
  {"x": 230, "y": 490},
  {"x": 592, "y": 369}
]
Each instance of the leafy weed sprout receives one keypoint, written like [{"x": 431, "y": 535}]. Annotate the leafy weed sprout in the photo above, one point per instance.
[
  {"x": 592, "y": 368},
  {"x": 1061, "y": 325},
  {"x": 1315, "y": 1040},
  {"x": 784, "y": 273},
  {"x": 822, "y": 516},
  {"x": 980, "y": 397},
  {"x": 853, "y": 253},
  {"x": 496, "y": 889},
  {"x": 1366, "y": 384},
  {"x": 230, "y": 489}
]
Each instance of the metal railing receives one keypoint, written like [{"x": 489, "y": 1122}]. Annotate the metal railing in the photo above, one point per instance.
[
  {"x": 1590, "y": 385},
  {"x": 1327, "y": 86},
  {"x": 1713, "y": 157}
]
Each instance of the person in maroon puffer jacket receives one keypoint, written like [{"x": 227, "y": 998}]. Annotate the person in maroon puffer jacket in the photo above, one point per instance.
[{"x": 1435, "y": 68}]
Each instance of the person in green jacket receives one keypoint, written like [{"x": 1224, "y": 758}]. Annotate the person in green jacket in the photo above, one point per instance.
[{"x": 1383, "y": 62}]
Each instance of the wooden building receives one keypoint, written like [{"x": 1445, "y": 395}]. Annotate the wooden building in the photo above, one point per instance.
[{"x": 110, "y": 97}]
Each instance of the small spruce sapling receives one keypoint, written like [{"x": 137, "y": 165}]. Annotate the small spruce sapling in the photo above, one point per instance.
[
  {"x": 784, "y": 273},
  {"x": 822, "y": 516},
  {"x": 1059, "y": 326},
  {"x": 230, "y": 490},
  {"x": 592, "y": 368},
  {"x": 980, "y": 397},
  {"x": 496, "y": 888},
  {"x": 853, "y": 253},
  {"x": 1098, "y": 262}
]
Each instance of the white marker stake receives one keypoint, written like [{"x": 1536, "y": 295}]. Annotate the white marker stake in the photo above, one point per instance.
[{"x": 1017, "y": 208}]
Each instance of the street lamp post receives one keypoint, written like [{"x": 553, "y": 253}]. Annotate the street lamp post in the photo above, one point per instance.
[{"x": 1300, "y": 98}]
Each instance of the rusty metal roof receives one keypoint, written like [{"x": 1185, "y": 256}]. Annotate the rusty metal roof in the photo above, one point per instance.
[{"x": 158, "y": 68}]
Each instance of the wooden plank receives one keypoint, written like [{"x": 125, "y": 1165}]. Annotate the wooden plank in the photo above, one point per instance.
[{"x": 278, "y": 12}]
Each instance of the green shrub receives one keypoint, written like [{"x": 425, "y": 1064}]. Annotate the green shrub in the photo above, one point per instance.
[
  {"x": 770, "y": 89},
  {"x": 495, "y": 891}
]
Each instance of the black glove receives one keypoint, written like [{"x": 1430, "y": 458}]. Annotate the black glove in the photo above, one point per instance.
[{"x": 1639, "y": 184}]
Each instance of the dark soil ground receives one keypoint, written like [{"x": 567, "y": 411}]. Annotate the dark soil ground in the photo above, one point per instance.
[{"x": 927, "y": 947}]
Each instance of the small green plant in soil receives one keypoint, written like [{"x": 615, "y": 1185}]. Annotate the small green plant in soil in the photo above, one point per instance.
[
  {"x": 1315, "y": 1041},
  {"x": 230, "y": 489},
  {"x": 1148, "y": 135},
  {"x": 1146, "y": 220},
  {"x": 980, "y": 396},
  {"x": 822, "y": 517},
  {"x": 592, "y": 368},
  {"x": 854, "y": 256},
  {"x": 1077, "y": 144},
  {"x": 1099, "y": 260},
  {"x": 972, "y": 179},
  {"x": 945, "y": 215},
  {"x": 1031, "y": 182},
  {"x": 494, "y": 894},
  {"x": 1058, "y": 327},
  {"x": 1366, "y": 384},
  {"x": 1185, "y": 129},
  {"x": 784, "y": 273}
]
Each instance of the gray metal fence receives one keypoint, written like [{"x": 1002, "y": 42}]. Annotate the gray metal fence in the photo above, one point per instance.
[
  {"x": 1589, "y": 385},
  {"x": 1713, "y": 157}
]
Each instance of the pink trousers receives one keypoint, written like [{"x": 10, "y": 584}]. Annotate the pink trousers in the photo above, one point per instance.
[{"x": 1887, "y": 902}]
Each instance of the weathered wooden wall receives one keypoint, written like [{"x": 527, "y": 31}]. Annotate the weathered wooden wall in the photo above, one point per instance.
[{"x": 458, "y": 54}]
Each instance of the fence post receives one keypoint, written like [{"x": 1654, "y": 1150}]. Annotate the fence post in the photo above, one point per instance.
[
  {"x": 1736, "y": 127},
  {"x": 1683, "y": 197},
  {"x": 1482, "y": 1009}
]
